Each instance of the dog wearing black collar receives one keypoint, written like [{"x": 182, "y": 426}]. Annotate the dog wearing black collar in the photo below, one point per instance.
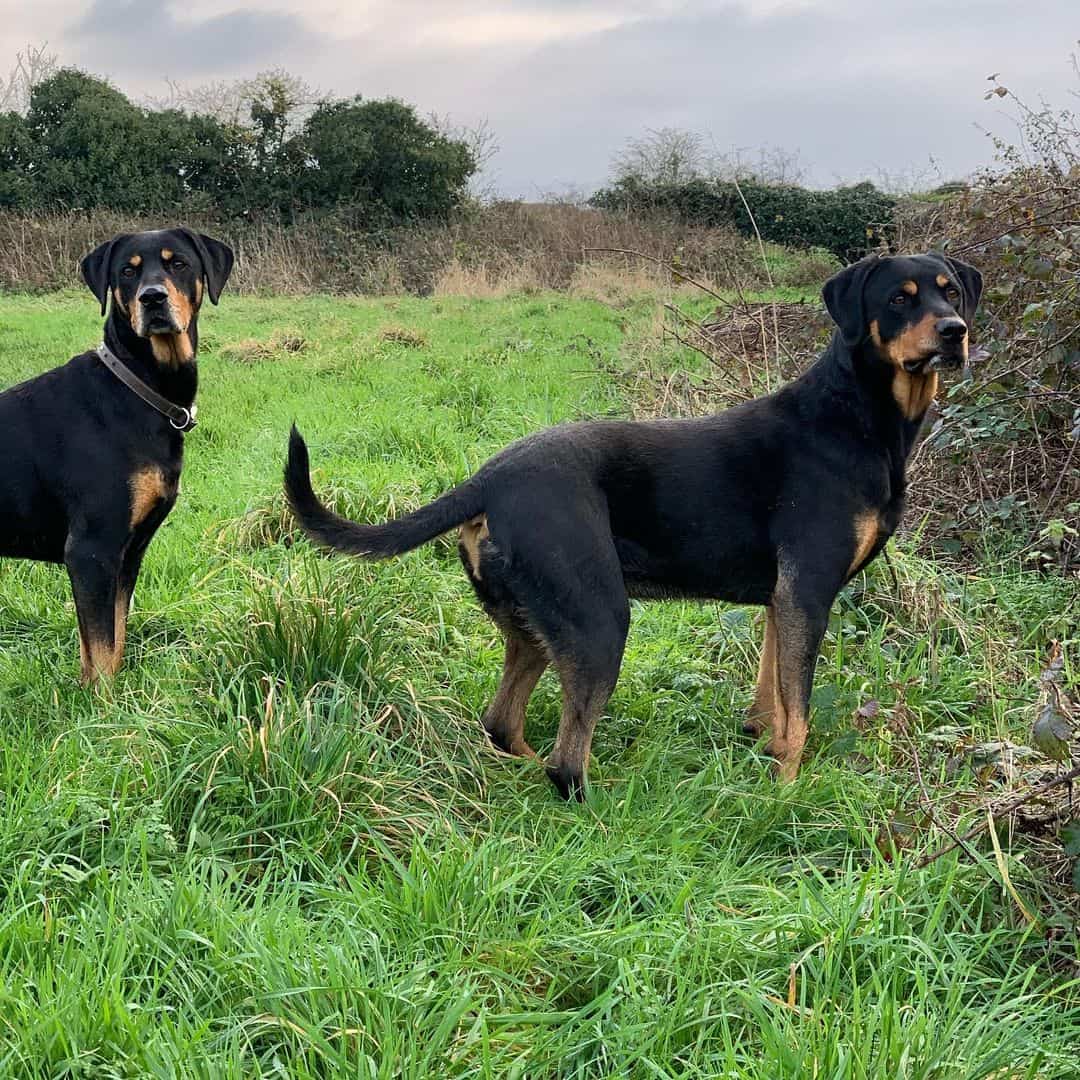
[{"x": 92, "y": 450}]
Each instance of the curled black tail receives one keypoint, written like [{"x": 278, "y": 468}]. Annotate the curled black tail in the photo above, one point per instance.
[{"x": 372, "y": 541}]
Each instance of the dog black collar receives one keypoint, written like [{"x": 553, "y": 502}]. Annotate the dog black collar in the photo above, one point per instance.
[{"x": 182, "y": 419}]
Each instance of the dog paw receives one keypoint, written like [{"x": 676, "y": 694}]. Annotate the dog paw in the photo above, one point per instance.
[
  {"x": 514, "y": 747},
  {"x": 570, "y": 785}
]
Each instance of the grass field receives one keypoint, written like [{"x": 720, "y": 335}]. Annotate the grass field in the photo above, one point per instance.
[{"x": 278, "y": 845}]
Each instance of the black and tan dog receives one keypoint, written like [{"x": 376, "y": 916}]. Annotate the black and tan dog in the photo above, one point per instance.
[
  {"x": 778, "y": 502},
  {"x": 90, "y": 452}
]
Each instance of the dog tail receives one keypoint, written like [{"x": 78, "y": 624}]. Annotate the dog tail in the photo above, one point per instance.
[{"x": 372, "y": 541}]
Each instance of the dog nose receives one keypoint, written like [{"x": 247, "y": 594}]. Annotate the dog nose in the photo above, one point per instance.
[
  {"x": 951, "y": 330},
  {"x": 153, "y": 296}
]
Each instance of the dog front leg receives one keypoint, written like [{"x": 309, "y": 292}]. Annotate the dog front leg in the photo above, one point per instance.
[
  {"x": 798, "y": 620},
  {"x": 760, "y": 718},
  {"x": 102, "y": 612}
]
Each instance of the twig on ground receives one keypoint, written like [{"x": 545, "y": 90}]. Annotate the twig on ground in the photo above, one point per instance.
[
  {"x": 927, "y": 801},
  {"x": 1006, "y": 808}
]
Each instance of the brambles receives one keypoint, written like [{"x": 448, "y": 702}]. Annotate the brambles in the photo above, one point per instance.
[{"x": 1003, "y": 455}]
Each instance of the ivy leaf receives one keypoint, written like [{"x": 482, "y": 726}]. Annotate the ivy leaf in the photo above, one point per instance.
[
  {"x": 1051, "y": 732},
  {"x": 1070, "y": 838},
  {"x": 869, "y": 709}
]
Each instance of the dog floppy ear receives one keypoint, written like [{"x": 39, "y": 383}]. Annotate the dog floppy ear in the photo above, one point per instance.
[
  {"x": 843, "y": 295},
  {"x": 217, "y": 261},
  {"x": 970, "y": 283},
  {"x": 97, "y": 269}
]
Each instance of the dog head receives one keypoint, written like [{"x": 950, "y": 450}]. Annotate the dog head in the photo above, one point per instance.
[
  {"x": 157, "y": 281},
  {"x": 914, "y": 311}
]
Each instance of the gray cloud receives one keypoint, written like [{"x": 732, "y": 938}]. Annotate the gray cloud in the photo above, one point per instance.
[
  {"x": 132, "y": 37},
  {"x": 855, "y": 88},
  {"x": 853, "y": 95}
]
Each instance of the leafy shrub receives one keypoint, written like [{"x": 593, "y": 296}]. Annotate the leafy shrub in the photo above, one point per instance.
[
  {"x": 846, "y": 221},
  {"x": 84, "y": 146}
]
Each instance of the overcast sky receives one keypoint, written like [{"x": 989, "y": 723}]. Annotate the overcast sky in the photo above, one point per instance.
[{"x": 857, "y": 87}]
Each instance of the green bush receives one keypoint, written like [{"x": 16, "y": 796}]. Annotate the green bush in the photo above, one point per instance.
[
  {"x": 84, "y": 146},
  {"x": 847, "y": 221}
]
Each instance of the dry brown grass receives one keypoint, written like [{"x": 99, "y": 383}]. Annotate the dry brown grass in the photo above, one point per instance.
[
  {"x": 253, "y": 350},
  {"x": 622, "y": 280},
  {"x": 489, "y": 251},
  {"x": 484, "y": 281},
  {"x": 404, "y": 335}
]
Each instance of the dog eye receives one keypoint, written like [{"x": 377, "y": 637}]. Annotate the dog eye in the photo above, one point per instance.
[
  {"x": 178, "y": 264},
  {"x": 128, "y": 271},
  {"x": 900, "y": 299},
  {"x": 952, "y": 293}
]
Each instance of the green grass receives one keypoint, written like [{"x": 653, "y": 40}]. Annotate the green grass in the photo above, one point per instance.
[{"x": 278, "y": 845}]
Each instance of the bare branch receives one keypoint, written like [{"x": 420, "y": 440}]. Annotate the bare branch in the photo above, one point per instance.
[{"x": 32, "y": 66}]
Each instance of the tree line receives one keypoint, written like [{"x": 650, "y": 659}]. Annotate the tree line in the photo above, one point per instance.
[
  {"x": 81, "y": 144},
  {"x": 271, "y": 146}
]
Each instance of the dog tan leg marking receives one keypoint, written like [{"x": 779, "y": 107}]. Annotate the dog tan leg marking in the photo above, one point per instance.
[
  {"x": 504, "y": 720},
  {"x": 470, "y": 537},
  {"x": 87, "y": 671},
  {"x": 120, "y": 618},
  {"x": 581, "y": 709},
  {"x": 866, "y": 535},
  {"x": 586, "y": 691},
  {"x": 763, "y": 710},
  {"x": 791, "y": 717},
  {"x": 98, "y": 656}
]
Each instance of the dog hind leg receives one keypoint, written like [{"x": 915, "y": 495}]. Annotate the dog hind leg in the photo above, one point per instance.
[
  {"x": 504, "y": 719},
  {"x": 588, "y": 673}
]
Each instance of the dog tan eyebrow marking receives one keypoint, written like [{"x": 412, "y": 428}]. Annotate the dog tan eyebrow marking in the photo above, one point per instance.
[
  {"x": 135, "y": 260},
  {"x": 942, "y": 280},
  {"x": 166, "y": 254},
  {"x": 910, "y": 288}
]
